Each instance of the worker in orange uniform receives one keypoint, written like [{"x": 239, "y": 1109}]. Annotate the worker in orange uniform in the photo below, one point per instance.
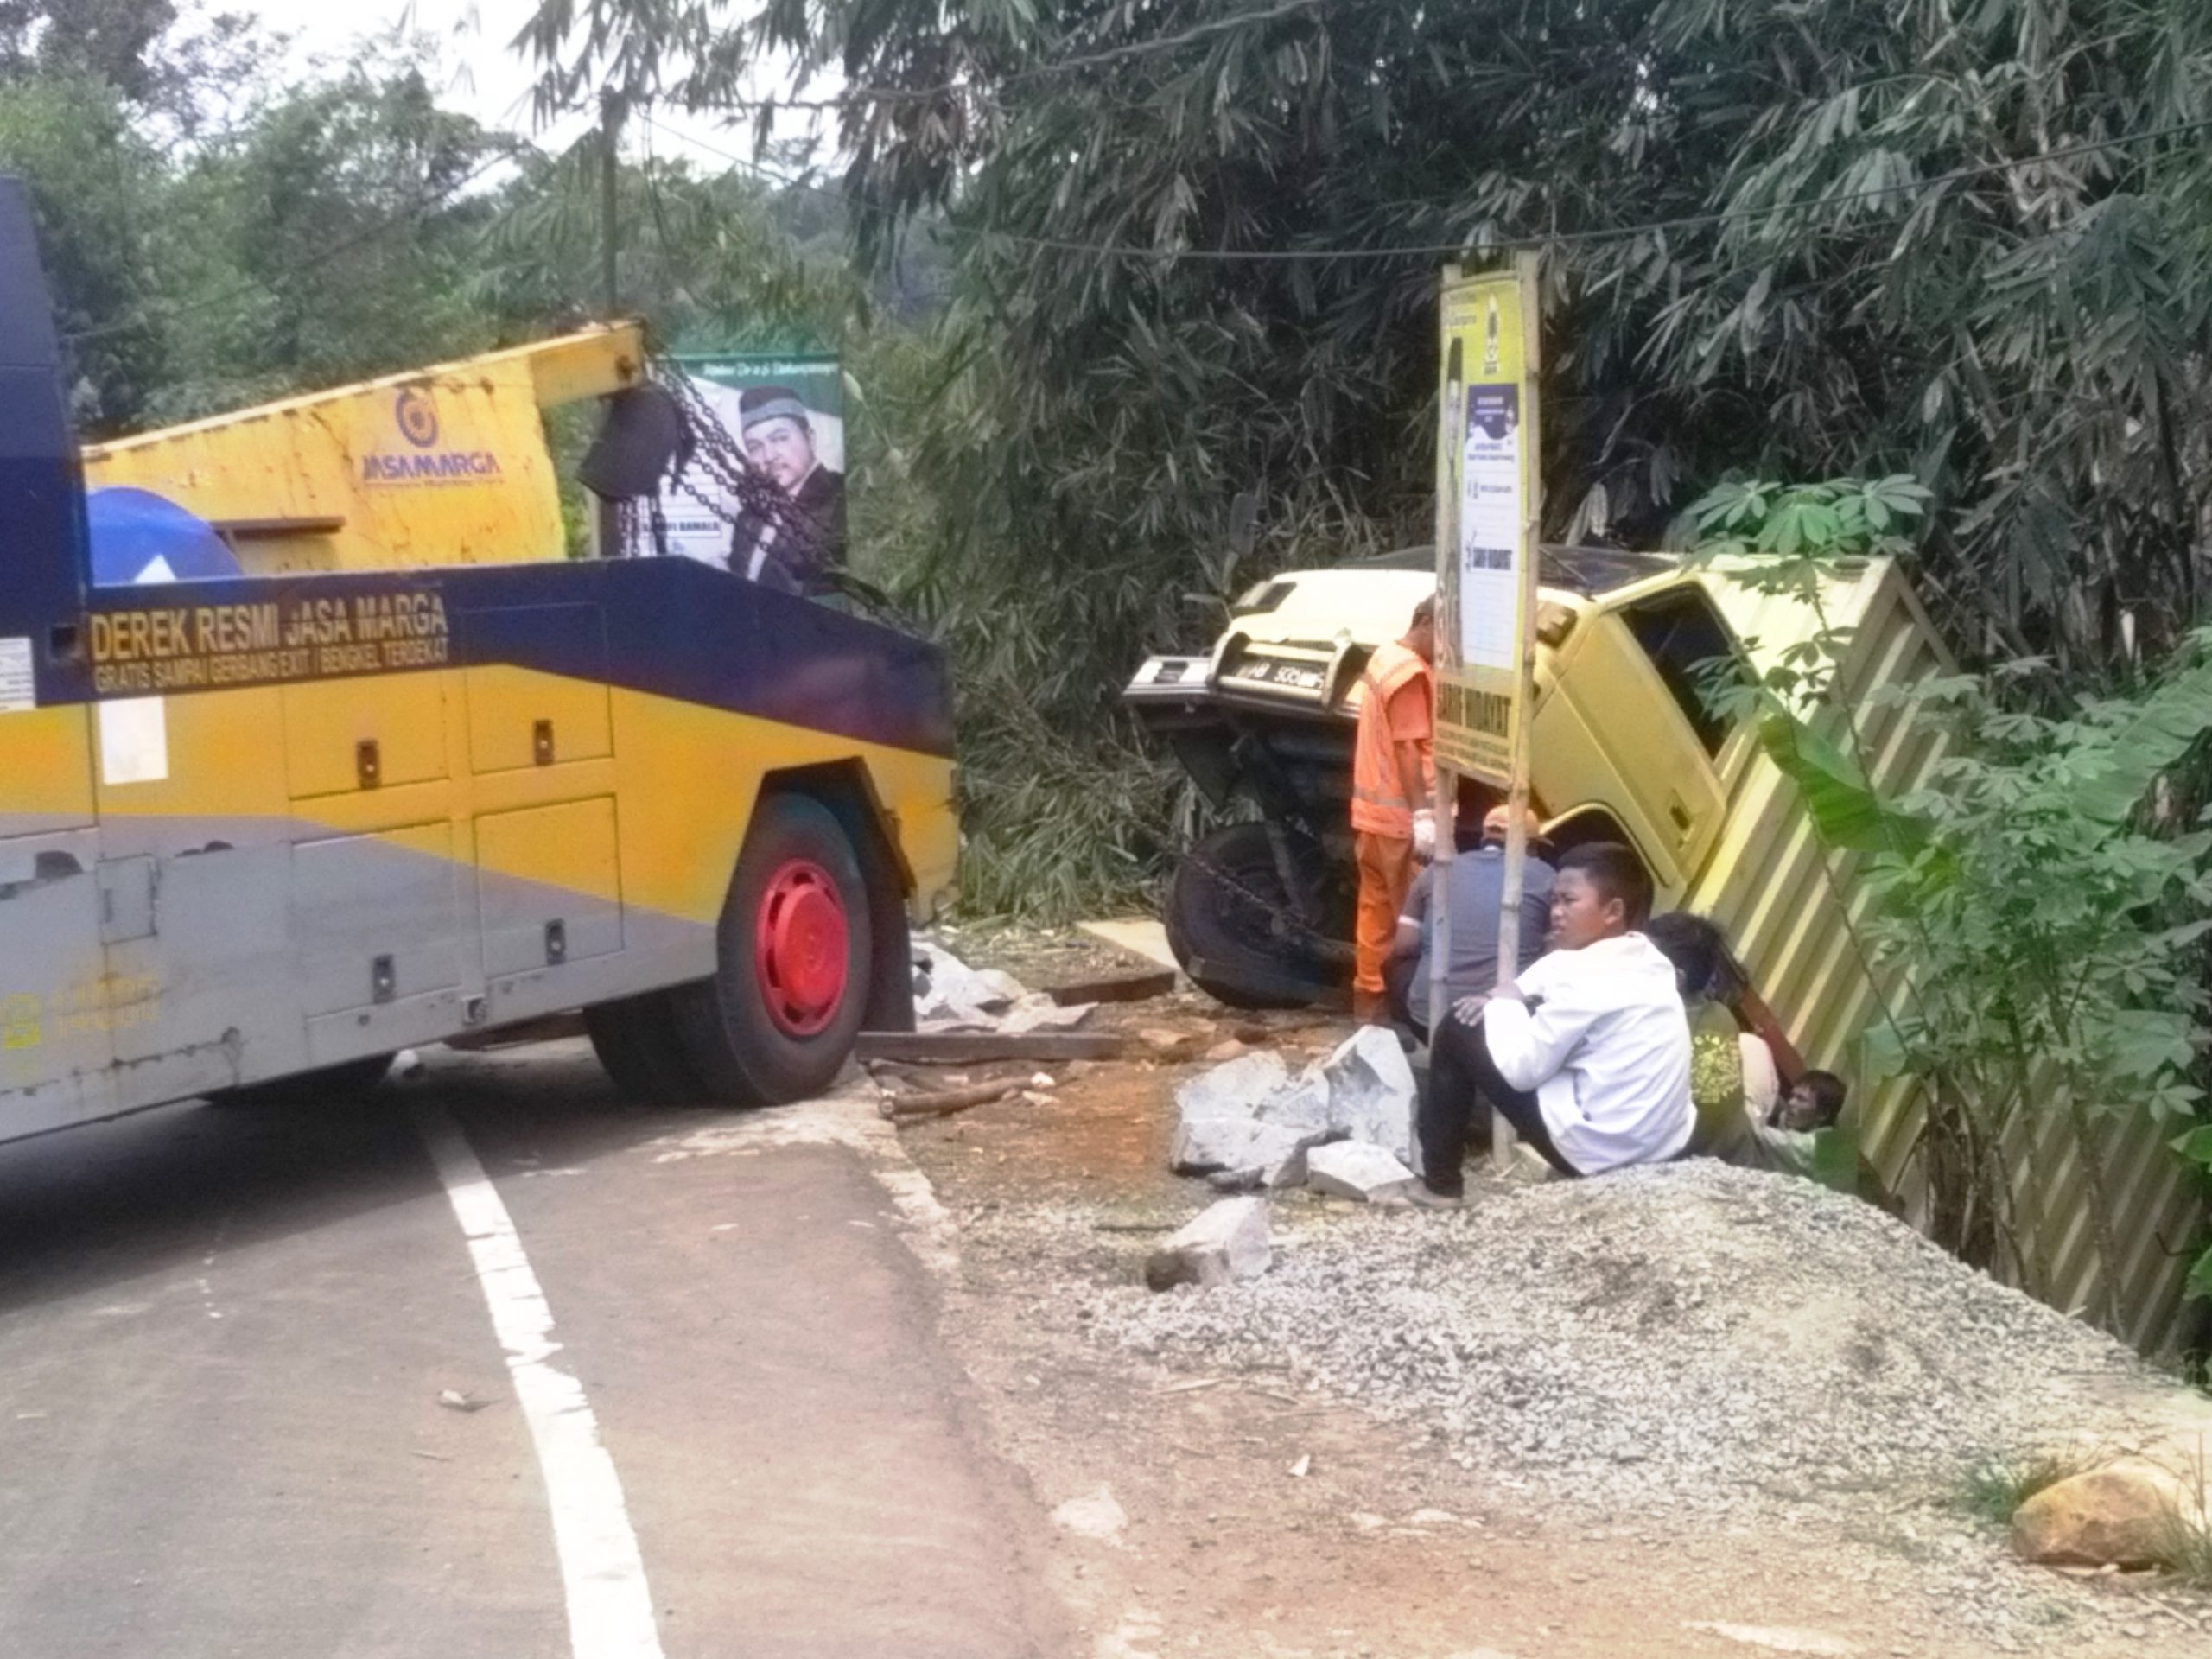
[{"x": 1393, "y": 781}]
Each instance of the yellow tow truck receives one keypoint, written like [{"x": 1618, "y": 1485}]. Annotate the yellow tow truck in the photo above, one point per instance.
[{"x": 316, "y": 744}]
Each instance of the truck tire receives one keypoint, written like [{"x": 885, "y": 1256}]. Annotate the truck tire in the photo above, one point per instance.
[
  {"x": 639, "y": 1043},
  {"x": 777, "y": 1021},
  {"x": 1221, "y": 924},
  {"x": 327, "y": 1085}
]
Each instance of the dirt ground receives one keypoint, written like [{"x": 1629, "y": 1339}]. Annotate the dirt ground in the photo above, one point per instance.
[{"x": 1231, "y": 1515}]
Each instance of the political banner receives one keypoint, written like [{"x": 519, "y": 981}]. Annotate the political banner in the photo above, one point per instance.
[{"x": 787, "y": 413}]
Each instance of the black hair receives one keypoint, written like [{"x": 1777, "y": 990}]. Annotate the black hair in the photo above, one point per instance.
[
  {"x": 1828, "y": 1091},
  {"x": 1424, "y": 612},
  {"x": 1694, "y": 944},
  {"x": 1616, "y": 872}
]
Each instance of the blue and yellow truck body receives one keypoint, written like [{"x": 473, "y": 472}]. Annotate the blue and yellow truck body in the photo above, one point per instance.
[{"x": 414, "y": 773}]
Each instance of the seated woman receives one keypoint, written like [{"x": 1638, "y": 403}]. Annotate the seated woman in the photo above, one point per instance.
[
  {"x": 1742, "y": 1115},
  {"x": 1733, "y": 1083}
]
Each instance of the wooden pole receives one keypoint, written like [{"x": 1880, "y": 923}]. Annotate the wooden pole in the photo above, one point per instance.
[
  {"x": 1453, "y": 423},
  {"x": 1524, "y": 693}
]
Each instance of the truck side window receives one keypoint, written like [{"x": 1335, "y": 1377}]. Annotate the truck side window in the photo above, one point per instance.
[{"x": 1679, "y": 632}]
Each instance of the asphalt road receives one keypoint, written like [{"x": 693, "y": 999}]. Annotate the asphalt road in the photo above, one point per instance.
[{"x": 225, "y": 1334}]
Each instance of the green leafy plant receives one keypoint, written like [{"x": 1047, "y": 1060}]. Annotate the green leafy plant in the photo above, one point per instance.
[
  {"x": 2037, "y": 922},
  {"x": 1993, "y": 1488},
  {"x": 1196, "y": 243}
]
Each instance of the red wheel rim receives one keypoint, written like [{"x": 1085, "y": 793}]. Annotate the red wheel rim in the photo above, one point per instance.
[{"x": 799, "y": 945}]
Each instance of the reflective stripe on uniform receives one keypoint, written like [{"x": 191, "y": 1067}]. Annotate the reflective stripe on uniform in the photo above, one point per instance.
[{"x": 1379, "y": 801}]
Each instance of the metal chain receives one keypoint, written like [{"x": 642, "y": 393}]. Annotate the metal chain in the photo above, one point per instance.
[
  {"x": 1284, "y": 915},
  {"x": 709, "y": 449}
]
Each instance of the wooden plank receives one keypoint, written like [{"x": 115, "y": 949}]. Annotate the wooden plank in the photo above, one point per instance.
[
  {"x": 1141, "y": 985},
  {"x": 973, "y": 1048},
  {"x": 1141, "y": 935}
]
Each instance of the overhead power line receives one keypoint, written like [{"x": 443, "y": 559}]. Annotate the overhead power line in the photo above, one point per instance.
[{"x": 1471, "y": 244}]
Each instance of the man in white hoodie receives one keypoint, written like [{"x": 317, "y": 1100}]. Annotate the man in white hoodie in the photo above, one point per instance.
[{"x": 1586, "y": 1054}]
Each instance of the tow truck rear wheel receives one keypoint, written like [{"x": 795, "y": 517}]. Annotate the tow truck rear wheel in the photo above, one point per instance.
[
  {"x": 638, "y": 1040},
  {"x": 1228, "y": 923},
  {"x": 777, "y": 1019}
]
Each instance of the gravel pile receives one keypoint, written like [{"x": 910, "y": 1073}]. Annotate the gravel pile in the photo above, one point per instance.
[{"x": 1694, "y": 1338}]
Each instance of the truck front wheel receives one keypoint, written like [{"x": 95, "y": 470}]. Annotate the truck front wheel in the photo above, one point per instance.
[
  {"x": 1237, "y": 931},
  {"x": 793, "y": 948}
]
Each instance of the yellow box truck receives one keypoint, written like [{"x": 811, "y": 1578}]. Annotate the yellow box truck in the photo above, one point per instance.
[{"x": 1623, "y": 748}]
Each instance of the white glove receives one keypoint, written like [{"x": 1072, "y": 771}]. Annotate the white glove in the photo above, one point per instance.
[{"x": 1424, "y": 834}]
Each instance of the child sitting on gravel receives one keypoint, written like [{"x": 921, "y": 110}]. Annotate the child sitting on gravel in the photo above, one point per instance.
[
  {"x": 1799, "y": 1138},
  {"x": 1587, "y": 1055},
  {"x": 1815, "y": 1102}
]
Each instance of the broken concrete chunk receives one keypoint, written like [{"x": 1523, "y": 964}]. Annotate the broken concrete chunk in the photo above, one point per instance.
[
  {"x": 1371, "y": 1092},
  {"x": 1232, "y": 1091},
  {"x": 1224, "y": 1243},
  {"x": 949, "y": 996},
  {"x": 1288, "y": 1168},
  {"x": 1300, "y": 1103},
  {"x": 1203, "y": 1145},
  {"x": 1357, "y": 1169},
  {"x": 944, "y": 985}
]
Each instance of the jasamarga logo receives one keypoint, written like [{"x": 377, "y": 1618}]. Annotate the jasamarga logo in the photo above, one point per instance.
[{"x": 417, "y": 418}]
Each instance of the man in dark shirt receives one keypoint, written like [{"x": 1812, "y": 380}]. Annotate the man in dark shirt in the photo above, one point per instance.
[{"x": 1478, "y": 888}]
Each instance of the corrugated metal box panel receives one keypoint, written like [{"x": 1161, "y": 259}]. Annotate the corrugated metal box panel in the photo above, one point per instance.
[{"x": 1790, "y": 906}]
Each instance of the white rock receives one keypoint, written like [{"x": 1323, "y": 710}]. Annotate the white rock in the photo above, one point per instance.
[
  {"x": 1251, "y": 1123},
  {"x": 1247, "y": 1154},
  {"x": 950, "y": 987},
  {"x": 1224, "y": 1242},
  {"x": 1371, "y": 1092},
  {"x": 1233, "y": 1089},
  {"x": 1300, "y": 1103},
  {"x": 1357, "y": 1169}
]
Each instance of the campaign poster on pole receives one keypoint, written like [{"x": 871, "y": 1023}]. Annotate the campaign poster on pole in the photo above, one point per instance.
[
  {"x": 1487, "y": 493},
  {"x": 787, "y": 413}
]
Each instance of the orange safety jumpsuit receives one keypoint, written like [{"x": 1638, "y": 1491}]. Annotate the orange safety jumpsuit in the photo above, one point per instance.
[{"x": 1398, "y": 707}]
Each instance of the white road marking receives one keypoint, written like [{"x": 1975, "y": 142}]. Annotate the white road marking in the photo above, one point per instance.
[{"x": 610, "y": 1609}]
